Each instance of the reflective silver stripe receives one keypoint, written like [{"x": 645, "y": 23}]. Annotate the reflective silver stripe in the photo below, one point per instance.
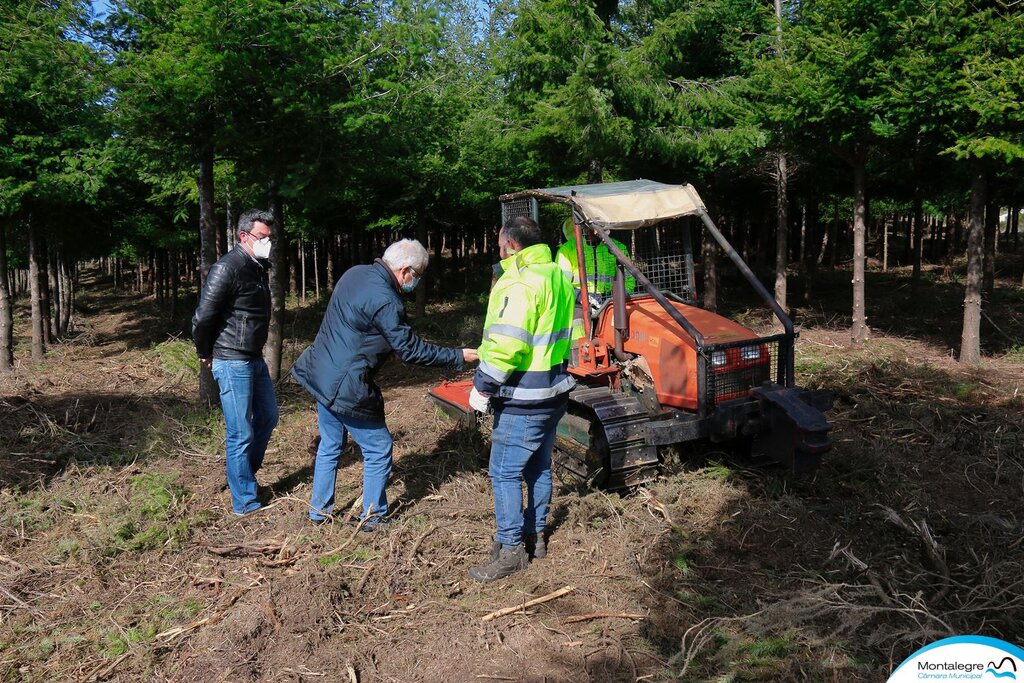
[
  {"x": 494, "y": 373},
  {"x": 525, "y": 337},
  {"x": 519, "y": 394},
  {"x": 600, "y": 278}
]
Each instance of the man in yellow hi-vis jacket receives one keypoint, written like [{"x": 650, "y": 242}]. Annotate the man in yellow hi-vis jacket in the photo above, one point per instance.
[
  {"x": 522, "y": 376},
  {"x": 599, "y": 262}
]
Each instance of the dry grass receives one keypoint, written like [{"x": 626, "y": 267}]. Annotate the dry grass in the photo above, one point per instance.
[{"x": 119, "y": 559}]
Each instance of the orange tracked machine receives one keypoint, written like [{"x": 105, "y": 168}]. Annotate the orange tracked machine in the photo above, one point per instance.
[{"x": 653, "y": 369}]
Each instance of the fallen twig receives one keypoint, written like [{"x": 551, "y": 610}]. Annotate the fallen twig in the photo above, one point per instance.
[
  {"x": 519, "y": 608},
  {"x": 270, "y": 546},
  {"x": 19, "y": 601},
  {"x": 601, "y": 615},
  {"x": 419, "y": 541},
  {"x": 173, "y": 633},
  {"x": 7, "y": 560},
  {"x": 104, "y": 669},
  {"x": 935, "y": 552},
  {"x": 350, "y": 539}
]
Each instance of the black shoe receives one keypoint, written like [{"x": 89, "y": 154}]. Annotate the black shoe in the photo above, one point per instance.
[
  {"x": 510, "y": 560},
  {"x": 536, "y": 546},
  {"x": 319, "y": 522},
  {"x": 373, "y": 524}
]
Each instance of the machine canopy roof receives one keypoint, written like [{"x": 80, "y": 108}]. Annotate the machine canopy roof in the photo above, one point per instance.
[{"x": 626, "y": 205}]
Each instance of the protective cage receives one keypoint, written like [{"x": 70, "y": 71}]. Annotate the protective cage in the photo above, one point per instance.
[
  {"x": 734, "y": 368},
  {"x": 664, "y": 255},
  {"x": 525, "y": 206}
]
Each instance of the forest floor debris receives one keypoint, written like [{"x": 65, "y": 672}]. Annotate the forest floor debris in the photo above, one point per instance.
[{"x": 120, "y": 560}]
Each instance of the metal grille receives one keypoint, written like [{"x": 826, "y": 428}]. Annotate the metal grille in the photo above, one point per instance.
[
  {"x": 733, "y": 369},
  {"x": 520, "y": 207},
  {"x": 668, "y": 274},
  {"x": 661, "y": 253}
]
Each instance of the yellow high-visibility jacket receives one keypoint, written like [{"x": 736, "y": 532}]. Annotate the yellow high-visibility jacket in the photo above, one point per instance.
[
  {"x": 526, "y": 338},
  {"x": 600, "y": 264}
]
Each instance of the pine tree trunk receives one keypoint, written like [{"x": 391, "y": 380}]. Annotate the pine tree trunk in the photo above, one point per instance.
[
  {"x": 421, "y": 289},
  {"x": 35, "y": 295},
  {"x": 709, "y": 257},
  {"x": 59, "y": 286},
  {"x": 918, "y": 241},
  {"x": 278, "y": 286},
  {"x": 970, "y": 339},
  {"x": 1015, "y": 224},
  {"x": 885, "y": 244},
  {"x": 302, "y": 265},
  {"x": 295, "y": 255},
  {"x": 160, "y": 277},
  {"x": 332, "y": 260},
  {"x": 781, "y": 228},
  {"x": 45, "y": 304},
  {"x": 991, "y": 235},
  {"x": 859, "y": 331},
  {"x": 174, "y": 284},
  {"x": 6, "y": 312},
  {"x": 230, "y": 229},
  {"x": 66, "y": 289},
  {"x": 834, "y": 251},
  {"x": 316, "y": 269},
  {"x": 54, "y": 299},
  {"x": 208, "y": 391},
  {"x": 223, "y": 228}
]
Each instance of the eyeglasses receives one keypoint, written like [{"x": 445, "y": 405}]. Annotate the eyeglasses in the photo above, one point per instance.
[{"x": 415, "y": 272}]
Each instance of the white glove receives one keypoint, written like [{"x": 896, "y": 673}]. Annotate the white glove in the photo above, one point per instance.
[{"x": 479, "y": 402}]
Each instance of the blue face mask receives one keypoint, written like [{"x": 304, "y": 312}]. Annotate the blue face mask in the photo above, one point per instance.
[{"x": 408, "y": 287}]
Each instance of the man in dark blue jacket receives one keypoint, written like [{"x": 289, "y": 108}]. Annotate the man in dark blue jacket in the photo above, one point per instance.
[
  {"x": 365, "y": 322},
  {"x": 229, "y": 329}
]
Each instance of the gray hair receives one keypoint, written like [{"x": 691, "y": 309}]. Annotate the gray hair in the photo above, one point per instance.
[
  {"x": 246, "y": 220},
  {"x": 406, "y": 253}
]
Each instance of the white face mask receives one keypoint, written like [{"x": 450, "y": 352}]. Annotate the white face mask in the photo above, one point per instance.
[{"x": 261, "y": 248}]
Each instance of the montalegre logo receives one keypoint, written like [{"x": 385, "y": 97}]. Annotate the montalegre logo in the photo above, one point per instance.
[{"x": 963, "y": 658}]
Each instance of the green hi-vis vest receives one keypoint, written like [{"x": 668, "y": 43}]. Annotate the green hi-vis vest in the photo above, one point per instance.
[
  {"x": 600, "y": 265},
  {"x": 526, "y": 338}
]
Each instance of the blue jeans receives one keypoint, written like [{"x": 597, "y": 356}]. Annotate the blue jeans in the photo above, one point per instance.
[
  {"x": 521, "y": 450},
  {"x": 250, "y": 415},
  {"x": 374, "y": 440}
]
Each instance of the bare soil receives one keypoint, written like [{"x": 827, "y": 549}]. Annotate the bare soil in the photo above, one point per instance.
[{"x": 120, "y": 560}]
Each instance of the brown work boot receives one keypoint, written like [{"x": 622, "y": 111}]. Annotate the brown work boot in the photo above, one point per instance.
[
  {"x": 510, "y": 560},
  {"x": 536, "y": 546},
  {"x": 495, "y": 549}
]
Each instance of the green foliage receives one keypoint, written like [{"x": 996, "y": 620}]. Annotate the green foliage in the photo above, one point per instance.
[
  {"x": 769, "y": 647},
  {"x": 177, "y": 356},
  {"x": 349, "y": 555},
  {"x": 152, "y": 518},
  {"x": 52, "y": 149}
]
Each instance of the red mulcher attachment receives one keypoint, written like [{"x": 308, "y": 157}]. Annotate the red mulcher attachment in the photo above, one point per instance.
[{"x": 453, "y": 399}]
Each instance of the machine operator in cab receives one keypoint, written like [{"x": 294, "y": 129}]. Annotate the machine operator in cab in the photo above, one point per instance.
[{"x": 600, "y": 267}]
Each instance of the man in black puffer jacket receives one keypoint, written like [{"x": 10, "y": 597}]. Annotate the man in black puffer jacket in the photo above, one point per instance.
[
  {"x": 364, "y": 324},
  {"x": 229, "y": 329}
]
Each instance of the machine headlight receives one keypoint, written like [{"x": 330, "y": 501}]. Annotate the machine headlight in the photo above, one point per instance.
[
  {"x": 718, "y": 359},
  {"x": 750, "y": 352}
]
